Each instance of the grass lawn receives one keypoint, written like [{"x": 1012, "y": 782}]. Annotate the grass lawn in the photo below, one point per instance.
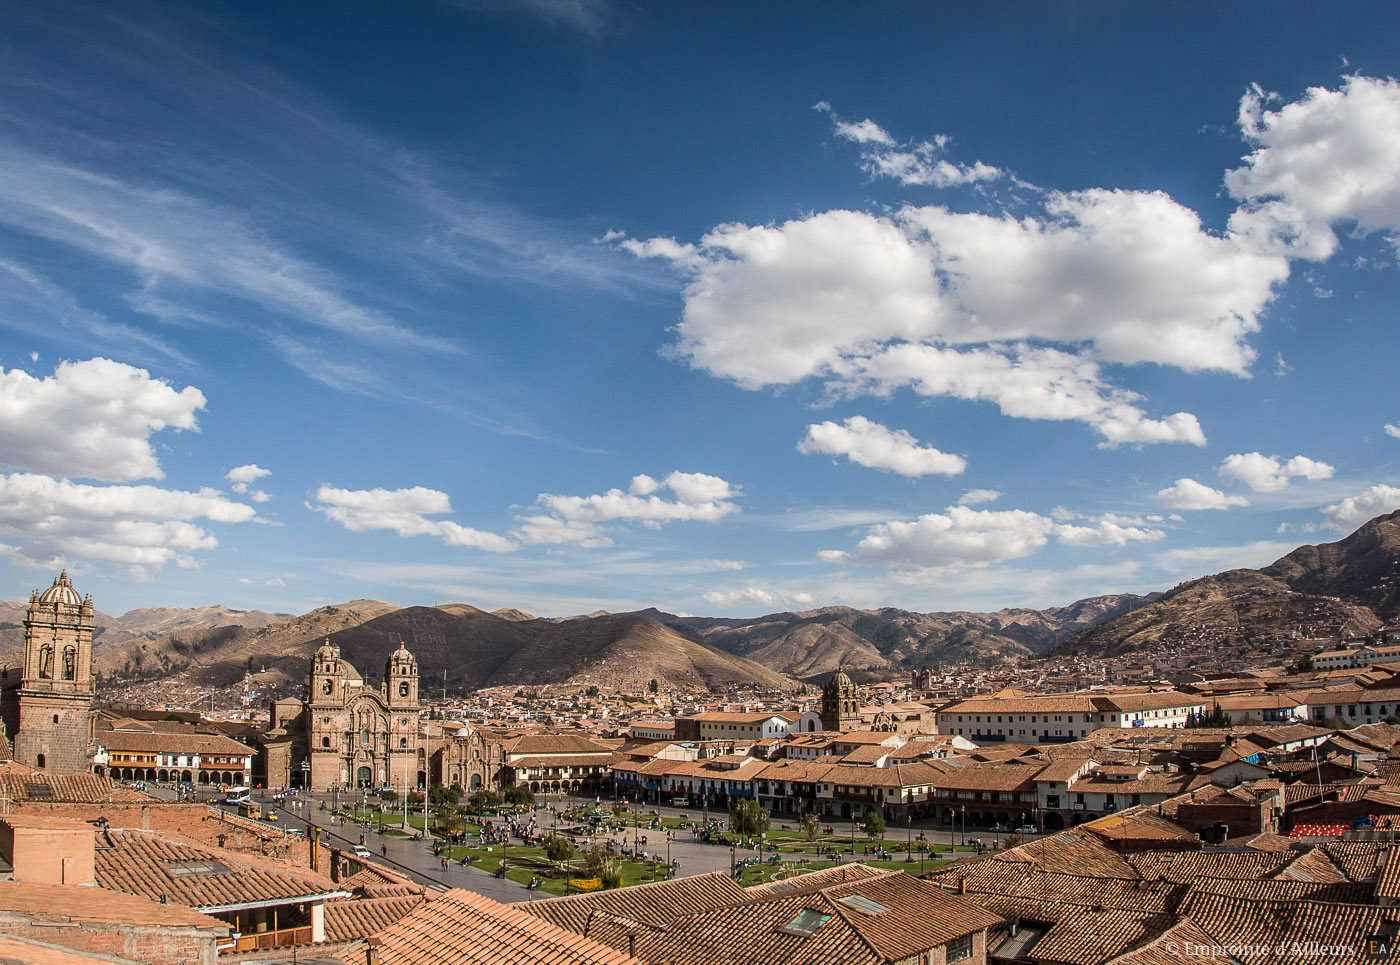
[{"x": 524, "y": 863}]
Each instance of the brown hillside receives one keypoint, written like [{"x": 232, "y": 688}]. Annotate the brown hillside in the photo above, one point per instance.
[
  {"x": 479, "y": 649},
  {"x": 1324, "y": 592}
]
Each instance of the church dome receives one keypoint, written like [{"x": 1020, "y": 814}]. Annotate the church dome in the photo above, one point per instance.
[{"x": 61, "y": 592}]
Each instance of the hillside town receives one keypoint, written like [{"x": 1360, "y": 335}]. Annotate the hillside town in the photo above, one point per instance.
[{"x": 365, "y": 821}]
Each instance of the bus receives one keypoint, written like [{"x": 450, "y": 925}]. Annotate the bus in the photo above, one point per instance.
[
  {"x": 250, "y": 809},
  {"x": 237, "y": 795}
]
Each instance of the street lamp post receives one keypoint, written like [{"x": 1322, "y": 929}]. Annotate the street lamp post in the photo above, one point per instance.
[
  {"x": 305, "y": 774},
  {"x": 427, "y": 776}
]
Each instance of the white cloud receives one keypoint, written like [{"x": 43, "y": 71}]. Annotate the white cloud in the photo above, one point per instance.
[
  {"x": 916, "y": 162},
  {"x": 571, "y": 520},
  {"x": 575, "y": 519},
  {"x": 1025, "y": 383},
  {"x": 1392, "y": 430},
  {"x": 957, "y": 537},
  {"x": 242, "y": 476},
  {"x": 138, "y": 528},
  {"x": 720, "y": 564},
  {"x": 758, "y": 595},
  {"x": 975, "y": 496},
  {"x": 1355, "y": 510},
  {"x": 405, "y": 512},
  {"x": 872, "y": 444},
  {"x": 948, "y": 304},
  {"x": 1107, "y": 530},
  {"x": 91, "y": 419},
  {"x": 1189, "y": 494},
  {"x": 1325, "y": 159},
  {"x": 1267, "y": 474}
]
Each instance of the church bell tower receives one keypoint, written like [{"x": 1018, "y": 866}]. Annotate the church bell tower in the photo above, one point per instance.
[{"x": 55, "y": 695}]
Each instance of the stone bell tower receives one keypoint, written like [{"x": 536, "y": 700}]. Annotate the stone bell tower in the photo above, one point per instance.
[{"x": 55, "y": 696}]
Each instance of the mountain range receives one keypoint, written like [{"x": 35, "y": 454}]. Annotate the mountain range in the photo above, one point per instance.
[{"x": 1350, "y": 587}]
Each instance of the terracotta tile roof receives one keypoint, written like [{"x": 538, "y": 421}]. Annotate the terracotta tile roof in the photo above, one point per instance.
[
  {"x": 1062, "y": 770},
  {"x": 24, "y": 952},
  {"x": 1264, "y": 924},
  {"x": 1283, "y": 889},
  {"x": 143, "y": 863},
  {"x": 1187, "y": 866},
  {"x": 1264, "y": 841},
  {"x": 85, "y": 904},
  {"x": 459, "y": 926},
  {"x": 1359, "y": 860},
  {"x": 653, "y": 904},
  {"x": 839, "y": 874},
  {"x": 1184, "y": 942},
  {"x": 553, "y": 744},
  {"x": 726, "y": 718},
  {"x": 1076, "y": 849},
  {"x": 172, "y": 742},
  {"x": 23, "y": 784},
  {"x": 1088, "y": 936},
  {"x": 347, "y": 920},
  {"x": 882, "y": 919},
  {"x": 1388, "y": 882}
]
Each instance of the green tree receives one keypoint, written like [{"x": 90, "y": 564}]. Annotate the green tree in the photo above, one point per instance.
[
  {"x": 610, "y": 875},
  {"x": 811, "y": 826},
  {"x": 653, "y": 686},
  {"x": 592, "y": 691},
  {"x": 389, "y": 796},
  {"x": 1215, "y": 717},
  {"x": 1305, "y": 663},
  {"x": 519, "y": 795},
  {"x": 483, "y": 800},
  {"x": 439, "y": 796},
  {"x": 874, "y": 825},
  {"x": 559, "y": 849},
  {"x": 748, "y": 819}
]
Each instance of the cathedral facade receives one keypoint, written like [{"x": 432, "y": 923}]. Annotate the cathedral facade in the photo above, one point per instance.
[
  {"x": 47, "y": 703},
  {"x": 349, "y": 734}
]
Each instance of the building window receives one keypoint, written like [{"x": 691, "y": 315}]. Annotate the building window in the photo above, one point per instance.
[
  {"x": 403, "y": 742},
  {"x": 364, "y": 738},
  {"x": 325, "y": 742},
  {"x": 403, "y": 689},
  {"x": 39, "y": 761},
  {"x": 959, "y": 949}
]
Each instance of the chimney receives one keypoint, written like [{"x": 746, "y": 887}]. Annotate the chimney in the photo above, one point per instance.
[
  {"x": 962, "y": 885},
  {"x": 372, "y": 951},
  {"x": 632, "y": 944}
]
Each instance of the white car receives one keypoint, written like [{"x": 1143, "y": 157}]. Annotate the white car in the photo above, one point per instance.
[{"x": 362, "y": 852}]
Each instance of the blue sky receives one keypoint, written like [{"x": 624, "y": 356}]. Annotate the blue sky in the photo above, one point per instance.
[{"x": 724, "y": 308}]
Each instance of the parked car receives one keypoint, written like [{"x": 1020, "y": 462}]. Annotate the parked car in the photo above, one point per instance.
[
  {"x": 1028, "y": 829},
  {"x": 1001, "y": 828}
]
